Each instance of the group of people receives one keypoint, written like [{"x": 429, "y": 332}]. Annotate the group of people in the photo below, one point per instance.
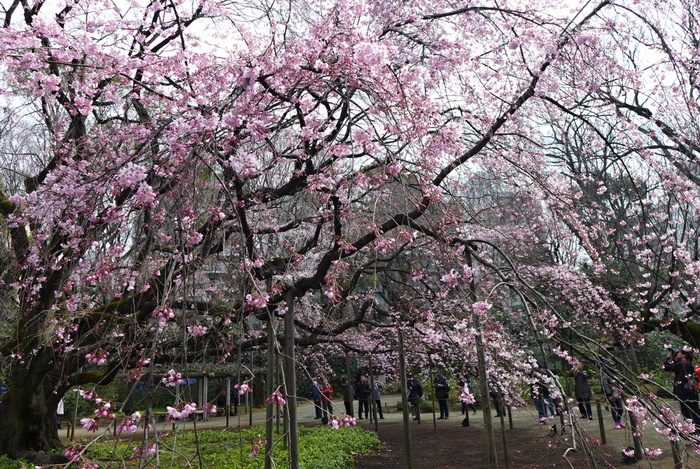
[
  {"x": 678, "y": 362},
  {"x": 364, "y": 391},
  {"x": 233, "y": 401},
  {"x": 545, "y": 402},
  {"x": 685, "y": 382},
  {"x": 685, "y": 387},
  {"x": 442, "y": 393}
]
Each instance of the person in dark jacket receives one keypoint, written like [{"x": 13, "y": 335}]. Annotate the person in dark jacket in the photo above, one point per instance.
[
  {"x": 362, "y": 391},
  {"x": 613, "y": 392},
  {"x": 442, "y": 392},
  {"x": 233, "y": 401},
  {"x": 497, "y": 402},
  {"x": 415, "y": 392},
  {"x": 347, "y": 395},
  {"x": 681, "y": 364},
  {"x": 582, "y": 391},
  {"x": 542, "y": 397}
]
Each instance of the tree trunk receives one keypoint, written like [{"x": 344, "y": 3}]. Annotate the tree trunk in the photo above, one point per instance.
[{"x": 28, "y": 412}]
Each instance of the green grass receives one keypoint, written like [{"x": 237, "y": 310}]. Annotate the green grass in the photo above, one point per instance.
[
  {"x": 7, "y": 463},
  {"x": 319, "y": 448}
]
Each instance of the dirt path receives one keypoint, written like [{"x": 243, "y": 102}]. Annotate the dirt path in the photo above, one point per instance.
[{"x": 450, "y": 445}]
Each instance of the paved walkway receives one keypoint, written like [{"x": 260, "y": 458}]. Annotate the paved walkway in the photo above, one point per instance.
[{"x": 522, "y": 418}]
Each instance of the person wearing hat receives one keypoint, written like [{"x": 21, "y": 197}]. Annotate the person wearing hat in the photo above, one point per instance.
[
  {"x": 613, "y": 391},
  {"x": 680, "y": 363}
]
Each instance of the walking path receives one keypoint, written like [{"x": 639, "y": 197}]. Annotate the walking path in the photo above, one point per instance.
[{"x": 618, "y": 439}]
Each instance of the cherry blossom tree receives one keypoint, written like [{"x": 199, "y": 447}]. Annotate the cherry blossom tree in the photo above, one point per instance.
[{"x": 178, "y": 167}]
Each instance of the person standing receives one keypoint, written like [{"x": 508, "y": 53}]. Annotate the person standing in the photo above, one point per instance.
[
  {"x": 497, "y": 402},
  {"x": 582, "y": 391},
  {"x": 377, "y": 396},
  {"x": 235, "y": 399},
  {"x": 347, "y": 395},
  {"x": 415, "y": 392},
  {"x": 538, "y": 389},
  {"x": 316, "y": 396},
  {"x": 362, "y": 391},
  {"x": 465, "y": 407},
  {"x": 326, "y": 391},
  {"x": 59, "y": 414},
  {"x": 681, "y": 364},
  {"x": 221, "y": 402},
  {"x": 442, "y": 392},
  {"x": 613, "y": 392}
]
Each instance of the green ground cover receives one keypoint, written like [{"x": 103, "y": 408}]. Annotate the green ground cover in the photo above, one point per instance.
[{"x": 319, "y": 448}]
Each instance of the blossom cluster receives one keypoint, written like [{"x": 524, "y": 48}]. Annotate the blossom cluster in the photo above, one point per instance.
[
  {"x": 197, "y": 331},
  {"x": 347, "y": 421},
  {"x": 177, "y": 414},
  {"x": 162, "y": 314},
  {"x": 276, "y": 398},
  {"x": 139, "y": 451},
  {"x": 243, "y": 388},
  {"x": 73, "y": 452},
  {"x": 256, "y": 301},
  {"x": 130, "y": 425},
  {"x": 172, "y": 378},
  {"x": 256, "y": 447},
  {"x": 98, "y": 357},
  {"x": 89, "y": 424},
  {"x": 209, "y": 408},
  {"x": 105, "y": 411},
  {"x": 466, "y": 396}
]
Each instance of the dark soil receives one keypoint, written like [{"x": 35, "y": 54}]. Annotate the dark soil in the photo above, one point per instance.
[{"x": 449, "y": 445}]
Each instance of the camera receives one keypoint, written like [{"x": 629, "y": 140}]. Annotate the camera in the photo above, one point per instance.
[{"x": 672, "y": 351}]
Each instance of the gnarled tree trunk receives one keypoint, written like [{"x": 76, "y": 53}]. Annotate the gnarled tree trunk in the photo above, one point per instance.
[{"x": 28, "y": 411}]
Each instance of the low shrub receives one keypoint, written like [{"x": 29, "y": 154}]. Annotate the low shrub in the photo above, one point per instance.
[
  {"x": 319, "y": 448},
  {"x": 7, "y": 463}
]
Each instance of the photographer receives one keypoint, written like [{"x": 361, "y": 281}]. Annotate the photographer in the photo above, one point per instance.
[
  {"x": 582, "y": 391},
  {"x": 680, "y": 362}
]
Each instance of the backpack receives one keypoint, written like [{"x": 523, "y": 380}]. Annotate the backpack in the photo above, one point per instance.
[
  {"x": 419, "y": 390},
  {"x": 691, "y": 385}
]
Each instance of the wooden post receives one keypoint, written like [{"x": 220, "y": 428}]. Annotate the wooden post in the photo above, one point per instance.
[
  {"x": 279, "y": 414},
  {"x": 486, "y": 407},
  {"x": 432, "y": 390},
  {"x": 601, "y": 425},
  {"x": 483, "y": 380},
  {"x": 503, "y": 429},
  {"x": 75, "y": 414},
  {"x": 351, "y": 383},
  {"x": 404, "y": 399},
  {"x": 373, "y": 397},
  {"x": 636, "y": 440},
  {"x": 290, "y": 380},
  {"x": 677, "y": 454},
  {"x": 200, "y": 394},
  {"x": 205, "y": 398},
  {"x": 510, "y": 418},
  {"x": 228, "y": 400},
  {"x": 269, "y": 409},
  {"x": 249, "y": 395}
]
